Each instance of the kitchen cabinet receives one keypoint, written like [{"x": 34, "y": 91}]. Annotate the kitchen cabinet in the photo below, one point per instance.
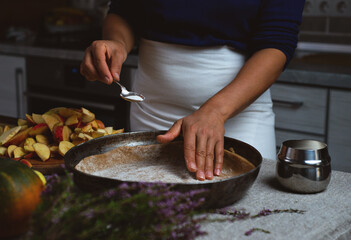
[
  {"x": 339, "y": 131},
  {"x": 13, "y": 85},
  {"x": 300, "y": 111},
  {"x": 318, "y": 113},
  {"x": 300, "y": 108}
]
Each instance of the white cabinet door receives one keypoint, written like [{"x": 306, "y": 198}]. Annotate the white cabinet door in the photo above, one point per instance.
[
  {"x": 300, "y": 108},
  {"x": 12, "y": 86},
  {"x": 339, "y": 132}
]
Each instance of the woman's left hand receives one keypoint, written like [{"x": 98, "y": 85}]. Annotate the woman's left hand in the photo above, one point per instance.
[{"x": 203, "y": 133}]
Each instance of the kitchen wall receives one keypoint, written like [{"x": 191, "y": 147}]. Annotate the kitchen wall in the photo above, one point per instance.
[{"x": 326, "y": 21}]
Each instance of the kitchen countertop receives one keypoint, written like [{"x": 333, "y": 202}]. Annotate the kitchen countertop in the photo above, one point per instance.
[
  {"x": 58, "y": 53},
  {"x": 324, "y": 70},
  {"x": 327, "y": 216}
]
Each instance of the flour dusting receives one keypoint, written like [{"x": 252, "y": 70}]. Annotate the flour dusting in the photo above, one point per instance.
[{"x": 153, "y": 163}]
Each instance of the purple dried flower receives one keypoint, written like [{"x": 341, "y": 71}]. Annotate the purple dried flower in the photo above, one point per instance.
[
  {"x": 248, "y": 233},
  {"x": 123, "y": 186},
  {"x": 110, "y": 193},
  {"x": 89, "y": 214}
]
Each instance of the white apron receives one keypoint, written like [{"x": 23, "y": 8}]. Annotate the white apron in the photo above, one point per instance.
[{"x": 176, "y": 80}]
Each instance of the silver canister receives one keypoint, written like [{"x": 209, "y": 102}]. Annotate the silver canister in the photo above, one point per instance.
[{"x": 303, "y": 166}]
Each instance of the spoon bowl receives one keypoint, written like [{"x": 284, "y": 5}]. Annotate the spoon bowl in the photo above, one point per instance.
[{"x": 130, "y": 96}]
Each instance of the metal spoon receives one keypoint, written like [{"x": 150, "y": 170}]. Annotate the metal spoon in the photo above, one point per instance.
[{"x": 129, "y": 96}]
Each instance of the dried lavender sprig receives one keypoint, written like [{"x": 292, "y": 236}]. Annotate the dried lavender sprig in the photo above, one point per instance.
[
  {"x": 266, "y": 212},
  {"x": 248, "y": 233},
  {"x": 88, "y": 212}
]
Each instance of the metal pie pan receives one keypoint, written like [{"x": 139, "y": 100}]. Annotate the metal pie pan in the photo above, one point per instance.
[{"x": 219, "y": 193}]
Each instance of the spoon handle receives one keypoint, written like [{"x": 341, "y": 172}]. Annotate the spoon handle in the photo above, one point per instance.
[{"x": 122, "y": 87}]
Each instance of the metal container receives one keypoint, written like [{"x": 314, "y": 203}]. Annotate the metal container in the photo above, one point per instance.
[
  {"x": 303, "y": 166},
  {"x": 220, "y": 193}
]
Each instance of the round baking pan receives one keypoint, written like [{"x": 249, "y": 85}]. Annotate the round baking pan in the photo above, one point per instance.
[{"x": 219, "y": 193}]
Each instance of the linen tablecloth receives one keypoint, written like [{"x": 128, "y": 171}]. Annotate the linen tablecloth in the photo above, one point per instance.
[{"x": 327, "y": 216}]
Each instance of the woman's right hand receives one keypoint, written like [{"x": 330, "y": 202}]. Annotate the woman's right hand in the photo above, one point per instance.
[{"x": 103, "y": 61}]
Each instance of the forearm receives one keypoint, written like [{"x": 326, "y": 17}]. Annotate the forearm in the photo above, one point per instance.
[
  {"x": 255, "y": 77},
  {"x": 116, "y": 28}
]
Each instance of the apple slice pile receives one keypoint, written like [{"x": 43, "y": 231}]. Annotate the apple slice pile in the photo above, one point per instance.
[{"x": 52, "y": 134}]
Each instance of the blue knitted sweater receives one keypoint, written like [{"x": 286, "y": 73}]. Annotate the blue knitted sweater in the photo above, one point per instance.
[{"x": 247, "y": 25}]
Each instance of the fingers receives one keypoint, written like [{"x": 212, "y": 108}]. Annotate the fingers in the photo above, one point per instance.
[
  {"x": 219, "y": 149},
  {"x": 200, "y": 157},
  {"x": 209, "y": 160},
  {"x": 172, "y": 133},
  {"x": 116, "y": 62},
  {"x": 189, "y": 150},
  {"x": 87, "y": 68},
  {"x": 203, "y": 146},
  {"x": 99, "y": 52},
  {"x": 103, "y": 61}
]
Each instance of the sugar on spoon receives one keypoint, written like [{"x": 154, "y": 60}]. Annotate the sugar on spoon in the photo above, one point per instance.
[{"x": 129, "y": 96}]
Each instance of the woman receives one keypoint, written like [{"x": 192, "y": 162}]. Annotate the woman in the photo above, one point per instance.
[{"x": 205, "y": 68}]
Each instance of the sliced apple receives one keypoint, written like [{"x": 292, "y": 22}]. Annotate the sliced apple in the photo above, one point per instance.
[
  {"x": 54, "y": 148},
  {"x": 23, "y": 127},
  {"x": 66, "y": 132},
  {"x": 18, "y": 152},
  {"x": 62, "y": 119},
  {"x": 8, "y": 134},
  {"x": 57, "y": 133},
  {"x": 118, "y": 131},
  {"x": 77, "y": 130},
  {"x": 87, "y": 128},
  {"x": 28, "y": 148},
  {"x": 80, "y": 123},
  {"x": 30, "y": 155},
  {"x": 109, "y": 130},
  {"x": 85, "y": 136},
  {"x": 26, "y": 162},
  {"x": 98, "y": 133},
  {"x": 54, "y": 110},
  {"x": 42, "y": 151},
  {"x": 78, "y": 141},
  {"x": 18, "y": 138},
  {"x": 64, "y": 146},
  {"x": 87, "y": 115},
  {"x": 100, "y": 124},
  {"x": 21, "y": 122},
  {"x": 68, "y": 112},
  {"x": 42, "y": 139},
  {"x": 6, "y": 128},
  {"x": 10, "y": 150},
  {"x": 73, "y": 136},
  {"x": 93, "y": 124},
  {"x": 30, "y": 119},
  {"x": 28, "y": 144},
  {"x": 72, "y": 120},
  {"x": 51, "y": 120},
  {"x": 29, "y": 141},
  {"x": 41, "y": 128},
  {"x": 3, "y": 151},
  {"x": 38, "y": 118}
]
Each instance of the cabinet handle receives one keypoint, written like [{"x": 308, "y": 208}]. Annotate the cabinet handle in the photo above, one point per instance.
[
  {"x": 291, "y": 104},
  {"x": 102, "y": 106},
  {"x": 20, "y": 89}
]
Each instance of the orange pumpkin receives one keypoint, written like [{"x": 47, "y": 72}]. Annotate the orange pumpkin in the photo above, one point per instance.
[{"x": 20, "y": 189}]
